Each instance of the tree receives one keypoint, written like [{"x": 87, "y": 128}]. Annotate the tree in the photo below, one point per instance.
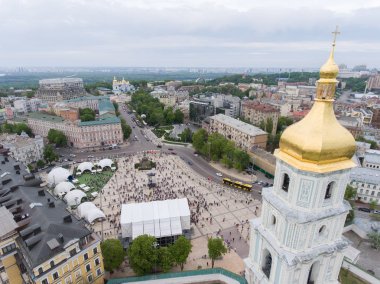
[
  {"x": 57, "y": 137},
  {"x": 186, "y": 135},
  {"x": 216, "y": 249},
  {"x": 178, "y": 116},
  {"x": 127, "y": 130},
  {"x": 269, "y": 125},
  {"x": 372, "y": 204},
  {"x": 375, "y": 239},
  {"x": 142, "y": 254},
  {"x": 217, "y": 143},
  {"x": 86, "y": 114},
  {"x": 169, "y": 115},
  {"x": 49, "y": 154},
  {"x": 199, "y": 139},
  {"x": 40, "y": 164},
  {"x": 283, "y": 122},
  {"x": 350, "y": 192},
  {"x": 166, "y": 260},
  {"x": 113, "y": 254},
  {"x": 180, "y": 250},
  {"x": 373, "y": 143},
  {"x": 241, "y": 160}
]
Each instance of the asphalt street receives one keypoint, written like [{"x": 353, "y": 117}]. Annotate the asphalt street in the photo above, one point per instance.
[{"x": 140, "y": 140}]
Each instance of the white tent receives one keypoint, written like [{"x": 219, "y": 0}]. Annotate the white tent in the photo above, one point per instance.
[
  {"x": 105, "y": 163},
  {"x": 90, "y": 212},
  {"x": 157, "y": 218},
  {"x": 85, "y": 166},
  {"x": 63, "y": 187},
  {"x": 57, "y": 175},
  {"x": 74, "y": 197}
]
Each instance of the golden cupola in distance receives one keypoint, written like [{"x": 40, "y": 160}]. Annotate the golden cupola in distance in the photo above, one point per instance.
[{"x": 319, "y": 143}]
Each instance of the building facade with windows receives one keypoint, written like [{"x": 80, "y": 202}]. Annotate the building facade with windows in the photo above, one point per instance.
[
  {"x": 122, "y": 86},
  {"x": 298, "y": 237},
  {"x": 40, "y": 241},
  {"x": 102, "y": 132},
  {"x": 23, "y": 148},
  {"x": 367, "y": 184},
  {"x": 259, "y": 113},
  {"x": 244, "y": 135},
  {"x": 59, "y": 89}
]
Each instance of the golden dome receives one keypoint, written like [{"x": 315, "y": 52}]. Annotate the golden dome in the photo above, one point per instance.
[
  {"x": 329, "y": 70},
  {"x": 319, "y": 142}
]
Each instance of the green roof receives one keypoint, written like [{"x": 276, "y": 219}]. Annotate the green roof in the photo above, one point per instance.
[
  {"x": 44, "y": 116},
  {"x": 106, "y": 120},
  {"x": 86, "y": 98},
  {"x": 105, "y": 105}
]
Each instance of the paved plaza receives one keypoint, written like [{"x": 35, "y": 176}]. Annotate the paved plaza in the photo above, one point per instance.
[{"x": 214, "y": 208}]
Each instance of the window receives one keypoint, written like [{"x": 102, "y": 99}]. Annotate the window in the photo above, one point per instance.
[
  {"x": 9, "y": 248},
  {"x": 73, "y": 252},
  {"x": 329, "y": 188},
  {"x": 78, "y": 274},
  {"x": 97, "y": 262},
  {"x": 52, "y": 263},
  {"x": 45, "y": 281},
  {"x": 98, "y": 272},
  {"x": 273, "y": 221},
  {"x": 68, "y": 280},
  {"x": 373, "y": 193},
  {"x": 322, "y": 230},
  {"x": 89, "y": 278},
  {"x": 85, "y": 256},
  {"x": 285, "y": 182},
  {"x": 55, "y": 275},
  {"x": 95, "y": 250},
  {"x": 267, "y": 263},
  {"x": 40, "y": 270},
  {"x": 88, "y": 267}
]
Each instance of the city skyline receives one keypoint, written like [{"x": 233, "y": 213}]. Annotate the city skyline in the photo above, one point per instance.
[{"x": 198, "y": 33}]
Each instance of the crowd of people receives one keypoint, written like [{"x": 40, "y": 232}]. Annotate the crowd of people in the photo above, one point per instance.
[{"x": 210, "y": 202}]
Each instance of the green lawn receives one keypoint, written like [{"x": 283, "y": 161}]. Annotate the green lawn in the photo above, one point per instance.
[
  {"x": 95, "y": 181},
  {"x": 347, "y": 277}
]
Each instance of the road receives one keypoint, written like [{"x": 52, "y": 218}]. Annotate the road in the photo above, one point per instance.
[{"x": 138, "y": 143}]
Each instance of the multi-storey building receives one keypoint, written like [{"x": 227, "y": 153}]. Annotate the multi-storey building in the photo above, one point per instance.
[
  {"x": 258, "y": 113},
  {"x": 244, "y": 135},
  {"x": 376, "y": 116},
  {"x": 367, "y": 184},
  {"x": 123, "y": 86},
  {"x": 53, "y": 90},
  {"x": 165, "y": 97},
  {"x": 373, "y": 83},
  {"x": 372, "y": 159},
  {"x": 227, "y": 104},
  {"x": 41, "y": 242},
  {"x": 23, "y": 106},
  {"x": 102, "y": 132},
  {"x": 23, "y": 148},
  {"x": 199, "y": 110}
]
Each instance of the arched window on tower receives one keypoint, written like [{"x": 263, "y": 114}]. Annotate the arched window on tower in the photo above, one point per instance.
[
  {"x": 329, "y": 189},
  {"x": 267, "y": 263},
  {"x": 313, "y": 273},
  {"x": 285, "y": 182}
]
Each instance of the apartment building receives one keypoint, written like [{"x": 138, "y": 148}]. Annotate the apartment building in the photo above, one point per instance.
[
  {"x": 53, "y": 90},
  {"x": 23, "y": 148},
  {"x": 102, "y": 132},
  {"x": 367, "y": 183},
  {"x": 257, "y": 113},
  {"x": 244, "y": 135},
  {"x": 372, "y": 159},
  {"x": 41, "y": 241}
]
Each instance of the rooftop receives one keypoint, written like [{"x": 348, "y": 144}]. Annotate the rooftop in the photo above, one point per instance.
[
  {"x": 41, "y": 216},
  {"x": 372, "y": 156},
  {"x": 238, "y": 124},
  {"x": 7, "y": 224},
  {"x": 45, "y": 116},
  {"x": 365, "y": 175},
  {"x": 260, "y": 107}
]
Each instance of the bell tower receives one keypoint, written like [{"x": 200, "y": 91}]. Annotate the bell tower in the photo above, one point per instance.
[{"x": 298, "y": 237}]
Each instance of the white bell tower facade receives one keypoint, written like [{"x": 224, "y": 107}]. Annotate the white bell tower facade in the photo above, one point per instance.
[{"x": 298, "y": 237}]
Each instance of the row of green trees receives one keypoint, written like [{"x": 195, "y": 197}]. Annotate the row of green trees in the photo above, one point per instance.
[
  {"x": 155, "y": 112},
  {"x": 16, "y": 128},
  {"x": 218, "y": 148},
  {"x": 146, "y": 256}
]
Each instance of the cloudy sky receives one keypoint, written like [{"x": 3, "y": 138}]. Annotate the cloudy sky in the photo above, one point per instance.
[{"x": 208, "y": 33}]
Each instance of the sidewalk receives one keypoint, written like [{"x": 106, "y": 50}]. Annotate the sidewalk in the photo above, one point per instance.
[{"x": 242, "y": 176}]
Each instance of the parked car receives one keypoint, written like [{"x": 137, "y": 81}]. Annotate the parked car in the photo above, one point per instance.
[
  {"x": 376, "y": 211},
  {"x": 219, "y": 174},
  {"x": 364, "y": 209}
]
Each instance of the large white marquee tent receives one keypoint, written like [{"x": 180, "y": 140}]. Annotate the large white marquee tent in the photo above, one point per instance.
[
  {"x": 157, "y": 218},
  {"x": 90, "y": 212},
  {"x": 57, "y": 175},
  {"x": 63, "y": 187},
  {"x": 74, "y": 197}
]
